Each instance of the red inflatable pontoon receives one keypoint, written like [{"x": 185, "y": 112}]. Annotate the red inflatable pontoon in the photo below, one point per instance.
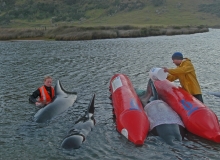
[
  {"x": 197, "y": 118},
  {"x": 131, "y": 119}
]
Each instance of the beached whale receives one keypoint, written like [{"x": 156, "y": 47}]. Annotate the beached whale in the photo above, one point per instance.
[
  {"x": 198, "y": 118},
  {"x": 164, "y": 121},
  {"x": 77, "y": 135},
  {"x": 61, "y": 102}
]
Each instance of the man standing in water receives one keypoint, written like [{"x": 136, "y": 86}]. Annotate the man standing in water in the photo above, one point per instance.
[
  {"x": 185, "y": 72},
  {"x": 43, "y": 95}
]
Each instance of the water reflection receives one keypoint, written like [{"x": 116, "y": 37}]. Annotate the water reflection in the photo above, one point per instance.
[{"x": 86, "y": 67}]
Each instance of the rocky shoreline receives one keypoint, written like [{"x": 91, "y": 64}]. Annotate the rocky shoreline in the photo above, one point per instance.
[{"x": 71, "y": 33}]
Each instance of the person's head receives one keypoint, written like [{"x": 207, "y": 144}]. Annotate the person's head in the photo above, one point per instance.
[
  {"x": 177, "y": 58},
  {"x": 48, "y": 81}
]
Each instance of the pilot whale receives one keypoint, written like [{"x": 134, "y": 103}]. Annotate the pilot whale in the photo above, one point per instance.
[
  {"x": 164, "y": 121},
  {"x": 77, "y": 135},
  {"x": 60, "y": 103}
]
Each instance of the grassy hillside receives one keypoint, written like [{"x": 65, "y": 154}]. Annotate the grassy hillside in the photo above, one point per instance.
[{"x": 50, "y": 13}]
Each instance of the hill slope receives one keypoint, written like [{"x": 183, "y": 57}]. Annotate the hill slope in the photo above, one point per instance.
[{"x": 35, "y": 13}]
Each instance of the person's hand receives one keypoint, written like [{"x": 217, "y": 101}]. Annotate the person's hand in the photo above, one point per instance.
[{"x": 165, "y": 69}]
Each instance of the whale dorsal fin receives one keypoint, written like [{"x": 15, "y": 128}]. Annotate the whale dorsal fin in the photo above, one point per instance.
[
  {"x": 91, "y": 107},
  {"x": 58, "y": 88},
  {"x": 89, "y": 112}
]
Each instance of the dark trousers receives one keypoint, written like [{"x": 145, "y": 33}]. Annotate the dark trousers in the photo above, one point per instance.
[{"x": 199, "y": 97}]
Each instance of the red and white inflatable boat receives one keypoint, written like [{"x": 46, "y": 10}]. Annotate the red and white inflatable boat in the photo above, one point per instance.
[
  {"x": 197, "y": 118},
  {"x": 131, "y": 119}
]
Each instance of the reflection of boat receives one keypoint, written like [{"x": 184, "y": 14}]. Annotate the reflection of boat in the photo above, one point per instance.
[
  {"x": 131, "y": 119},
  {"x": 197, "y": 118}
]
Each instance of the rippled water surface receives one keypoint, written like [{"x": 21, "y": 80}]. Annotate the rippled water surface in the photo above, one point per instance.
[{"x": 87, "y": 67}]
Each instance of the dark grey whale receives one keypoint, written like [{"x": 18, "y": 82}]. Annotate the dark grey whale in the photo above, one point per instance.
[
  {"x": 164, "y": 122},
  {"x": 168, "y": 132},
  {"x": 77, "y": 135},
  {"x": 61, "y": 102}
]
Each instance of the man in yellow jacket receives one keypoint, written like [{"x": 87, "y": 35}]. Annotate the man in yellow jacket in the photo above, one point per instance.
[{"x": 186, "y": 74}]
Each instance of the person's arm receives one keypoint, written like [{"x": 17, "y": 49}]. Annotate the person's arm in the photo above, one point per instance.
[
  {"x": 34, "y": 96},
  {"x": 186, "y": 67},
  {"x": 171, "y": 78}
]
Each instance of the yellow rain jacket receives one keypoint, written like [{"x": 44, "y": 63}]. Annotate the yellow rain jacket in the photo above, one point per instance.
[{"x": 185, "y": 72}]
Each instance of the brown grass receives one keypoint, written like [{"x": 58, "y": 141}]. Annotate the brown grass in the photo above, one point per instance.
[{"x": 71, "y": 33}]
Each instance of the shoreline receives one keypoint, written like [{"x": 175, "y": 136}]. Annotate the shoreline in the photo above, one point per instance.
[{"x": 72, "y": 33}]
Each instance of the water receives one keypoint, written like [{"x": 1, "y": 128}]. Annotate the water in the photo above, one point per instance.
[{"x": 87, "y": 67}]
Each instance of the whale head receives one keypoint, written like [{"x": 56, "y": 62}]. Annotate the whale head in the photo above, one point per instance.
[{"x": 72, "y": 142}]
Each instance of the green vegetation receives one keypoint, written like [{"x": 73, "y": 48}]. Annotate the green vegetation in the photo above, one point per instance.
[
  {"x": 81, "y": 19},
  {"x": 53, "y": 13},
  {"x": 210, "y": 8},
  {"x": 60, "y": 10}
]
